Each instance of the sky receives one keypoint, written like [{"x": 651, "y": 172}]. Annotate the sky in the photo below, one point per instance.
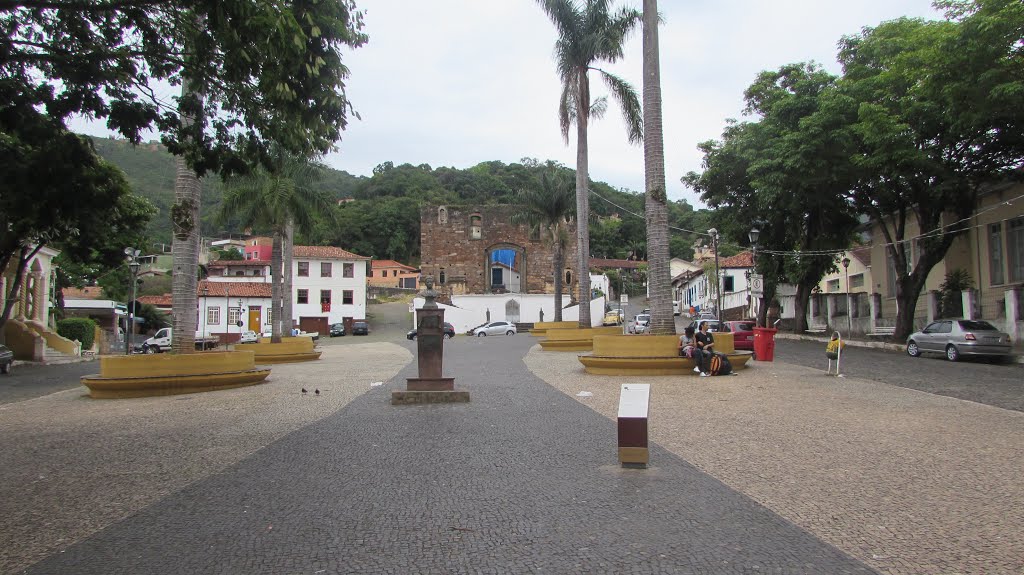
[{"x": 459, "y": 82}]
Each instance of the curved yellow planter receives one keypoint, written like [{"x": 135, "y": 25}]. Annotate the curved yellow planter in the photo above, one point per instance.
[
  {"x": 651, "y": 355},
  {"x": 289, "y": 350},
  {"x": 541, "y": 328},
  {"x": 575, "y": 339},
  {"x": 167, "y": 374}
]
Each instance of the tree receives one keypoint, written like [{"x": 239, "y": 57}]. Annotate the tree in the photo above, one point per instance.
[
  {"x": 549, "y": 209},
  {"x": 588, "y": 34},
  {"x": 277, "y": 199},
  {"x": 56, "y": 190},
  {"x": 235, "y": 99},
  {"x": 939, "y": 117},
  {"x": 659, "y": 275}
]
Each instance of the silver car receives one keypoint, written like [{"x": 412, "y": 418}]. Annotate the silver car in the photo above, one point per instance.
[
  {"x": 495, "y": 328},
  {"x": 957, "y": 337}
]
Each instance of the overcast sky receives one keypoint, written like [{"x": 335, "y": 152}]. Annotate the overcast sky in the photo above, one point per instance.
[{"x": 459, "y": 82}]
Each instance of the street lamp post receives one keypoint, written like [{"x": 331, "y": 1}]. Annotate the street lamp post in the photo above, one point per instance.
[
  {"x": 133, "y": 266},
  {"x": 713, "y": 232},
  {"x": 849, "y": 312},
  {"x": 752, "y": 235},
  {"x": 239, "y": 321}
]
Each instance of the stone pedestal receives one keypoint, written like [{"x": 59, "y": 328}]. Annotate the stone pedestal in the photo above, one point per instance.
[{"x": 430, "y": 386}]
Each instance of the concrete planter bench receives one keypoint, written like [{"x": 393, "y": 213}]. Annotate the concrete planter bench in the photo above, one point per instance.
[
  {"x": 575, "y": 339},
  {"x": 651, "y": 355},
  {"x": 541, "y": 328},
  {"x": 289, "y": 350},
  {"x": 169, "y": 374}
]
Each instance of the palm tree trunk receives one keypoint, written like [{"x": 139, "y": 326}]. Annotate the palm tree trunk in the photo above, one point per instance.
[
  {"x": 659, "y": 278},
  {"x": 583, "y": 199},
  {"x": 559, "y": 265},
  {"x": 185, "y": 249},
  {"x": 288, "y": 243},
  {"x": 276, "y": 285}
]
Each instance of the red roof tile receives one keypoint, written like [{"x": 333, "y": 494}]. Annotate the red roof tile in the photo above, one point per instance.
[
  {"x": 238, "y": 263},
  {"x": 157, "y": 300},
  {"x": 88, "y": 292},
  {"x": 376, "y": 264},
  {"x": 325, "y": 253},
  {"x": 740, "y": 260},
  {"x": 234, "y": 289}
]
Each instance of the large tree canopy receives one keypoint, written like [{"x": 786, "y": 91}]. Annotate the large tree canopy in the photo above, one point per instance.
[{"x": 105, "y": 59}]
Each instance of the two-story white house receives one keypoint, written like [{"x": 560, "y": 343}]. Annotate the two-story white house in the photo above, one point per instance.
[{"x": 328, "y": 286}]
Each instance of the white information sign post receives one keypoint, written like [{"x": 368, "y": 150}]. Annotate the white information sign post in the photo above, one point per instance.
[{"x": 634, "y": 402}]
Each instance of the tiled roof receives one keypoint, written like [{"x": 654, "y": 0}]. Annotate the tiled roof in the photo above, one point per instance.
[
  {"x": 375, "y": 264},
  {"x": 157, "y": 300},
  {"x": 616, "y": 264},
  {"x": 740, "y": 260},
  {"x": 237, "y": 263},
  {"x": 325, "y": 253},
  {"x": 234, "y": 289},
  {"x": 88, "y": 292}
]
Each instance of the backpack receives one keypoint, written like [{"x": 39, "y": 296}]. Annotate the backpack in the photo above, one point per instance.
[{"x": 719, "y": 364}]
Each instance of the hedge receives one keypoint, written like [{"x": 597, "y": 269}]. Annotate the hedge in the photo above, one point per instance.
[{"x": 80, "y": 328}]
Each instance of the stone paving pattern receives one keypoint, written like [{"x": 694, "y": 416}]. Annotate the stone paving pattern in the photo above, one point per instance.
[
  {"x": 777, "y": 470},
  {"x": 908, "y": 482}
]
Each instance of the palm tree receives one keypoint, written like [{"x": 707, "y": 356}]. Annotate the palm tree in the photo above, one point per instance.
[
  {"x": 185, "y": 245},
  {"x": 659, "y": 276},
  {"x": 549, "y": 209},
  {"x": 588, "y": 34},
  {"x": 277, "y": 198}
]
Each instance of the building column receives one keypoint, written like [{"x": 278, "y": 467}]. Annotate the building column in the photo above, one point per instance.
[
  {"x": 830, "y": 310},
  {"x": 932, "y": 305},
  {"x": 1012, "y": 297},
  {"x": 967, "y": 297},
  {"x": 42, "y": 298},
  {"x": 874, "y": 308}
]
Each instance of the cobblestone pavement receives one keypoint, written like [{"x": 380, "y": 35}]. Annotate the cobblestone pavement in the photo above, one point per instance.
[
  {"x": 522, "y": 480},
  {"x": 73, "y": 466},
  {"x": 28, "y": 380},
  {"x": 907, "y": 482}
]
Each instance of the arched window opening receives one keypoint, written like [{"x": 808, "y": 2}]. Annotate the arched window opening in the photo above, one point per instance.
[
  {"x": 442, "y": 215},
  {"x": 475, "y": 226}
]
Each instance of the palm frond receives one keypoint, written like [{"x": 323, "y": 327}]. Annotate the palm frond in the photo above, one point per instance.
[{"x": 629, "y": 102}]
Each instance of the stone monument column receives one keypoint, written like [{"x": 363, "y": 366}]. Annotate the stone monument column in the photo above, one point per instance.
[{"x": 431, "y": 386}]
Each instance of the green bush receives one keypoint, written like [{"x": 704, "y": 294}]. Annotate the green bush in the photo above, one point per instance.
[{"x": 80, "y": 328}]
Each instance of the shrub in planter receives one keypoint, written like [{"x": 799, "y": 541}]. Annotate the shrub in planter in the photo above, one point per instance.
[{"x": 80, "y": 328}]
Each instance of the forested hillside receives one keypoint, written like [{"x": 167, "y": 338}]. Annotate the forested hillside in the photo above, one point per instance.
[{"x": 381, "y": 217}]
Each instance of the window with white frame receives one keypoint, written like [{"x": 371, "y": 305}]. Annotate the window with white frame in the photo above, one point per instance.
[
  {"x": 266, "y": 318},
  {"x": 995, "y": 254},
  {"x": 234, "y": 314},
  {"x": 303, "y": 269},
  {"x": 302, "y": 296},
  {"x": 346, "y": 297},
  {"x": 833, "y": 285},
  {"x": 325, "y": 269},
  {"x": 348, "y": 270},
  {"x": 857, "y": 281},
  {"x": 213, "y": 315}
]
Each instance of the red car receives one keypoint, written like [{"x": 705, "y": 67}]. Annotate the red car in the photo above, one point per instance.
[{"x": 742, "y": 333}]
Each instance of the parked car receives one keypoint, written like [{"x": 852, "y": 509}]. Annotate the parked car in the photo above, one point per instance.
[
  {"x": 494, "y": 328},
  {"x": 742, "y": 333},
  {"x": 712, "y": 324},
  {"x": 447, "y": 333},
  {"x": 337, "y": 329},
  {"x": 249, "y": 337},
  {"x": 360, "y": 328},
  {"x": 612, "y": 318},
  {"x": 640, "y": 323},
  {"x": 958, "y": 337},
  {"x": 6, "y": 359}
]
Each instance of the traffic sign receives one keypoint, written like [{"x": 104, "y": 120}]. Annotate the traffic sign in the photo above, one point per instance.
[{"x": 756, "y": 285}]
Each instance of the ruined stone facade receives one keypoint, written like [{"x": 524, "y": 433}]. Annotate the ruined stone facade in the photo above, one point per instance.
[{"x": 457, "y": 243}]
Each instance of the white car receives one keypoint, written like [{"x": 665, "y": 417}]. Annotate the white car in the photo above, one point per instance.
[
  {"x": 495, "y": 328},
  {"x": 641, "y": 322},
  {"x": 249, "y": 337}
]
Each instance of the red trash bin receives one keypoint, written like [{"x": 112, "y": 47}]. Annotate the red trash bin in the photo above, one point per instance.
[{"x": 764, "y": 343}]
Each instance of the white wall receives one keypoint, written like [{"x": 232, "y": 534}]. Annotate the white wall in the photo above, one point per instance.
[
  {"x": 221, "y": 304},
  {"x": 336, "y": 284},
  {"x": 469, "y": 311}
]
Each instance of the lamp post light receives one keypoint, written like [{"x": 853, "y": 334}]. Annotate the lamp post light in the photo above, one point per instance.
[
  {"x": 849, "y": 312},
  {"x": 133, "y": 266},
  {"x": 713, "y": 232},
  {"x": 752, "y": 235},
  {"x": 239, "y": 321}
]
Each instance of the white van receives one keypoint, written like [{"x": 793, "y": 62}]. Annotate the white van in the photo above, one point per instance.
[{"x": 675, "y": 307}]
